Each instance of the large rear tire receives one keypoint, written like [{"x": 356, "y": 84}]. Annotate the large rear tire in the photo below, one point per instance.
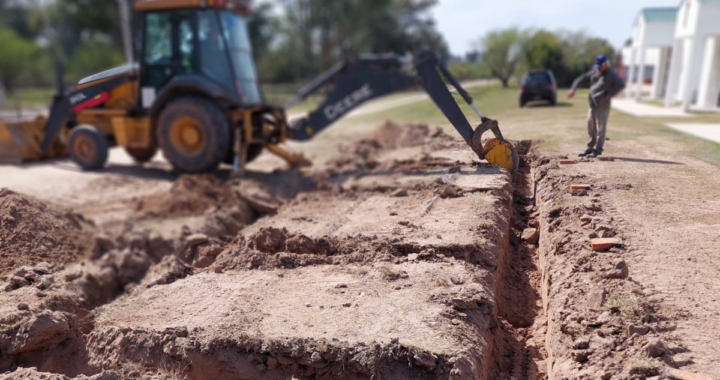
[
  {"x": 194, "y": 134},
  {"x": 88, "y": 147}
]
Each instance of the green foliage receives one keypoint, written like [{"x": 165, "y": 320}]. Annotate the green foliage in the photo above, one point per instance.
[
  {"x": 544, "y": 50},
  {"x": 16, "y": 58},
  {"x": 579, "y": 52},
  {"x": 262, "y": 26},
  {"x": 92, "y": 57},
  {"x": 504, "y": 50},
  {"x": 313, "y": 35},
  {"x": 567, "y": 54},
  {"x": 465, "y": 71}
]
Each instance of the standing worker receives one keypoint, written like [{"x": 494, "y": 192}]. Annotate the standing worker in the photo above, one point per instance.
[{"x": 604, "y": 84}]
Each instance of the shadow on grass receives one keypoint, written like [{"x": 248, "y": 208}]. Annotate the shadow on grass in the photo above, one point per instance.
[
  {"x": 644, "y": 161},
  {"x": 548, "y": 105}
]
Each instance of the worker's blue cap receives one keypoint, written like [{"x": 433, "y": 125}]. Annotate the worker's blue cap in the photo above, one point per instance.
[{"x": 599, "y": 61}]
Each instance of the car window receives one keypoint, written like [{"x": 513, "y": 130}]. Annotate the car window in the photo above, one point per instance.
[{"x": 538, "y": 78}]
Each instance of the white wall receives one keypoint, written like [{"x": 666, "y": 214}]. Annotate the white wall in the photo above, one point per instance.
[
  {"x": 709, "y": 19},
  {"x": 652, "y": 57},
  {"x": 659, "y": 34},
  {"x": 638, "y": 32},
  {"x": 687, "y": 19},
  {"x": 703, "y": 19}
]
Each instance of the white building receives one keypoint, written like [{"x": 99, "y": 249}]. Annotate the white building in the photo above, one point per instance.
[
  {"x": 631, "y": 69},
  {"x": 647, "y": 58},
  {"x": 694, "y": 78}
]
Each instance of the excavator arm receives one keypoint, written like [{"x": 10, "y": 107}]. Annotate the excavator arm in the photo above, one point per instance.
[
  {"x": 63, "y": 104},
  {"x": 370, "y": 77}
]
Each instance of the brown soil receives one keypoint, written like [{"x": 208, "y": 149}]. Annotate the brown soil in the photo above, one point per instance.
[
  {"x": 190, "y": 195},
  {"x": 32, "y": 231},
  {"x": 402, "y": 258}
]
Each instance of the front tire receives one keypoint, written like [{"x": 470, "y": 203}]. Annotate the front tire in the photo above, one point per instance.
[
  {"x": 88, "y": 147},
  {"x": 194, "y": 134}
]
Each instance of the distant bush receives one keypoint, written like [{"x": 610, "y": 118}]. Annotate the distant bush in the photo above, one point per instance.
[{"x": 466, "y": 71}]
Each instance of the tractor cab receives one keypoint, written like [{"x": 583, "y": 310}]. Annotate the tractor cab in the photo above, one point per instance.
[{"x": 178, "y": 40}]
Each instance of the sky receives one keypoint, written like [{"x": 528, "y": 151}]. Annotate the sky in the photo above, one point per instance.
[{"x": 464, "y": 22}]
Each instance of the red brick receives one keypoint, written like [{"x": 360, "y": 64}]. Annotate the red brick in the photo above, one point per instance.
[
  {"x": 603, "y": 244},
  {"x": 567, "y": 162},
  {"x": 579, "y": 186}
]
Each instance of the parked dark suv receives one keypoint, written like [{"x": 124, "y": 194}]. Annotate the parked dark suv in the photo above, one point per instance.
[{"x": 538, "y": 85}]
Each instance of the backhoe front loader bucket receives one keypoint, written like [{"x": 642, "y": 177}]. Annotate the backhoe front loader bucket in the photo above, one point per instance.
[{"x": 20, "y": 141}]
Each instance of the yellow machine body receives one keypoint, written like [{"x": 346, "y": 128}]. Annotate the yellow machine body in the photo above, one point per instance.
[{"x": 20, "y": 141}]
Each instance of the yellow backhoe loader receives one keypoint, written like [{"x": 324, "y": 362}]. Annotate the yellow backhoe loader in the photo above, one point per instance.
[{"x": 194, "y": 93}]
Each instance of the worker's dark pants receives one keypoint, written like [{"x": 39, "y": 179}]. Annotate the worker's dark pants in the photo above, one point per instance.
[{"x": 597, "y": 125}]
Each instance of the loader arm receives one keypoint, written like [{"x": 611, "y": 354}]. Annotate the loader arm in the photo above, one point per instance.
[
  {"x": 63, "y": 104},
  {"x": 370, "y": 77}
]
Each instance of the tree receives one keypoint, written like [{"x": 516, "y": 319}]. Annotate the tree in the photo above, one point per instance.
[
  {"x": 17, "y": 56},
  {"x": 503, "y": 50},
  {"x": 92, "y": 57},
  {"x": 580, "y": 51},
  {"x": 544, "y": 51},
  {"x": 262, "y": 28}
]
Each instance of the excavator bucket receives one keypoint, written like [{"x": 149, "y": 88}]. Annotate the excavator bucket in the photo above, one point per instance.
[
  {"x": 20, "y": 142},
  {"x": 502, "y": 154}
]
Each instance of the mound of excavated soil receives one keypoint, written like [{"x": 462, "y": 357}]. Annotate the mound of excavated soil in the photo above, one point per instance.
[
  {"x": 390, "y": 136},
  {"x": 32, "y": 232},
  {"x": 190, "y": 195}
]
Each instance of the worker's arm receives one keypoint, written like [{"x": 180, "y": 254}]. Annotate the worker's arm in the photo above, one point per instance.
[{"x": 577, "y": 82}]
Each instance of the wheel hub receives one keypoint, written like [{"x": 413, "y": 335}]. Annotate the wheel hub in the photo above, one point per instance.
[
  {"x": 84, "y": 147},
  {"x": 186, "y": 135}
]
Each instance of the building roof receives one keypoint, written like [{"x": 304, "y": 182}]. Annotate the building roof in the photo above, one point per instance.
[{"x": 668, "y": 14}]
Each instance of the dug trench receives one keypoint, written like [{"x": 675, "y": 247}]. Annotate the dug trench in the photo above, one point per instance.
[{"x": 403, "y": 258}]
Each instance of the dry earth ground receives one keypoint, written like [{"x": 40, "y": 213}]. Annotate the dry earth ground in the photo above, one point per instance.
[{"x": 400, "y": 257}]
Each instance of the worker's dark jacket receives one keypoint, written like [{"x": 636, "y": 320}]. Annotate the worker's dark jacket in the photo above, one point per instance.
[{"x": 600, "y": 85}]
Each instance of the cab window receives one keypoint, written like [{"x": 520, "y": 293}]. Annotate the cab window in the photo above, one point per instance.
[{"x": 213, "y": 54}]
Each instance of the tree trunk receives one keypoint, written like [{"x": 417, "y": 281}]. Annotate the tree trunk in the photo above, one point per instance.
[{"x": 504, "y": 82}]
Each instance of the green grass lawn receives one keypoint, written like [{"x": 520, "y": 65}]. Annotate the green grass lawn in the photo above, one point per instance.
[
  {"x": 555, "y": 128},
  {"x": 29, "y": 98},
  {"x": 558, "y": 129}
]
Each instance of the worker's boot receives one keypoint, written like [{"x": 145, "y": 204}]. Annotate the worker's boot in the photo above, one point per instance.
[
  {"x": 593, "y": 154},
  {"x": 585, "y": 153}
]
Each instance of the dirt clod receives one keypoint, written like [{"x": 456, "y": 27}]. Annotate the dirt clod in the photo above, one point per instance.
[
  {"x": 41, "y": 330},
  {"x": 531, "y": 235},
  {"x": 196, "y": 239},
  {"x": 32, "y": 231},
  {"x": 582, "y": 343},
  {"x": 640, "y": 330},
  {"x": 400, "y": 193},
  {"x": 654, "y": 348}
]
